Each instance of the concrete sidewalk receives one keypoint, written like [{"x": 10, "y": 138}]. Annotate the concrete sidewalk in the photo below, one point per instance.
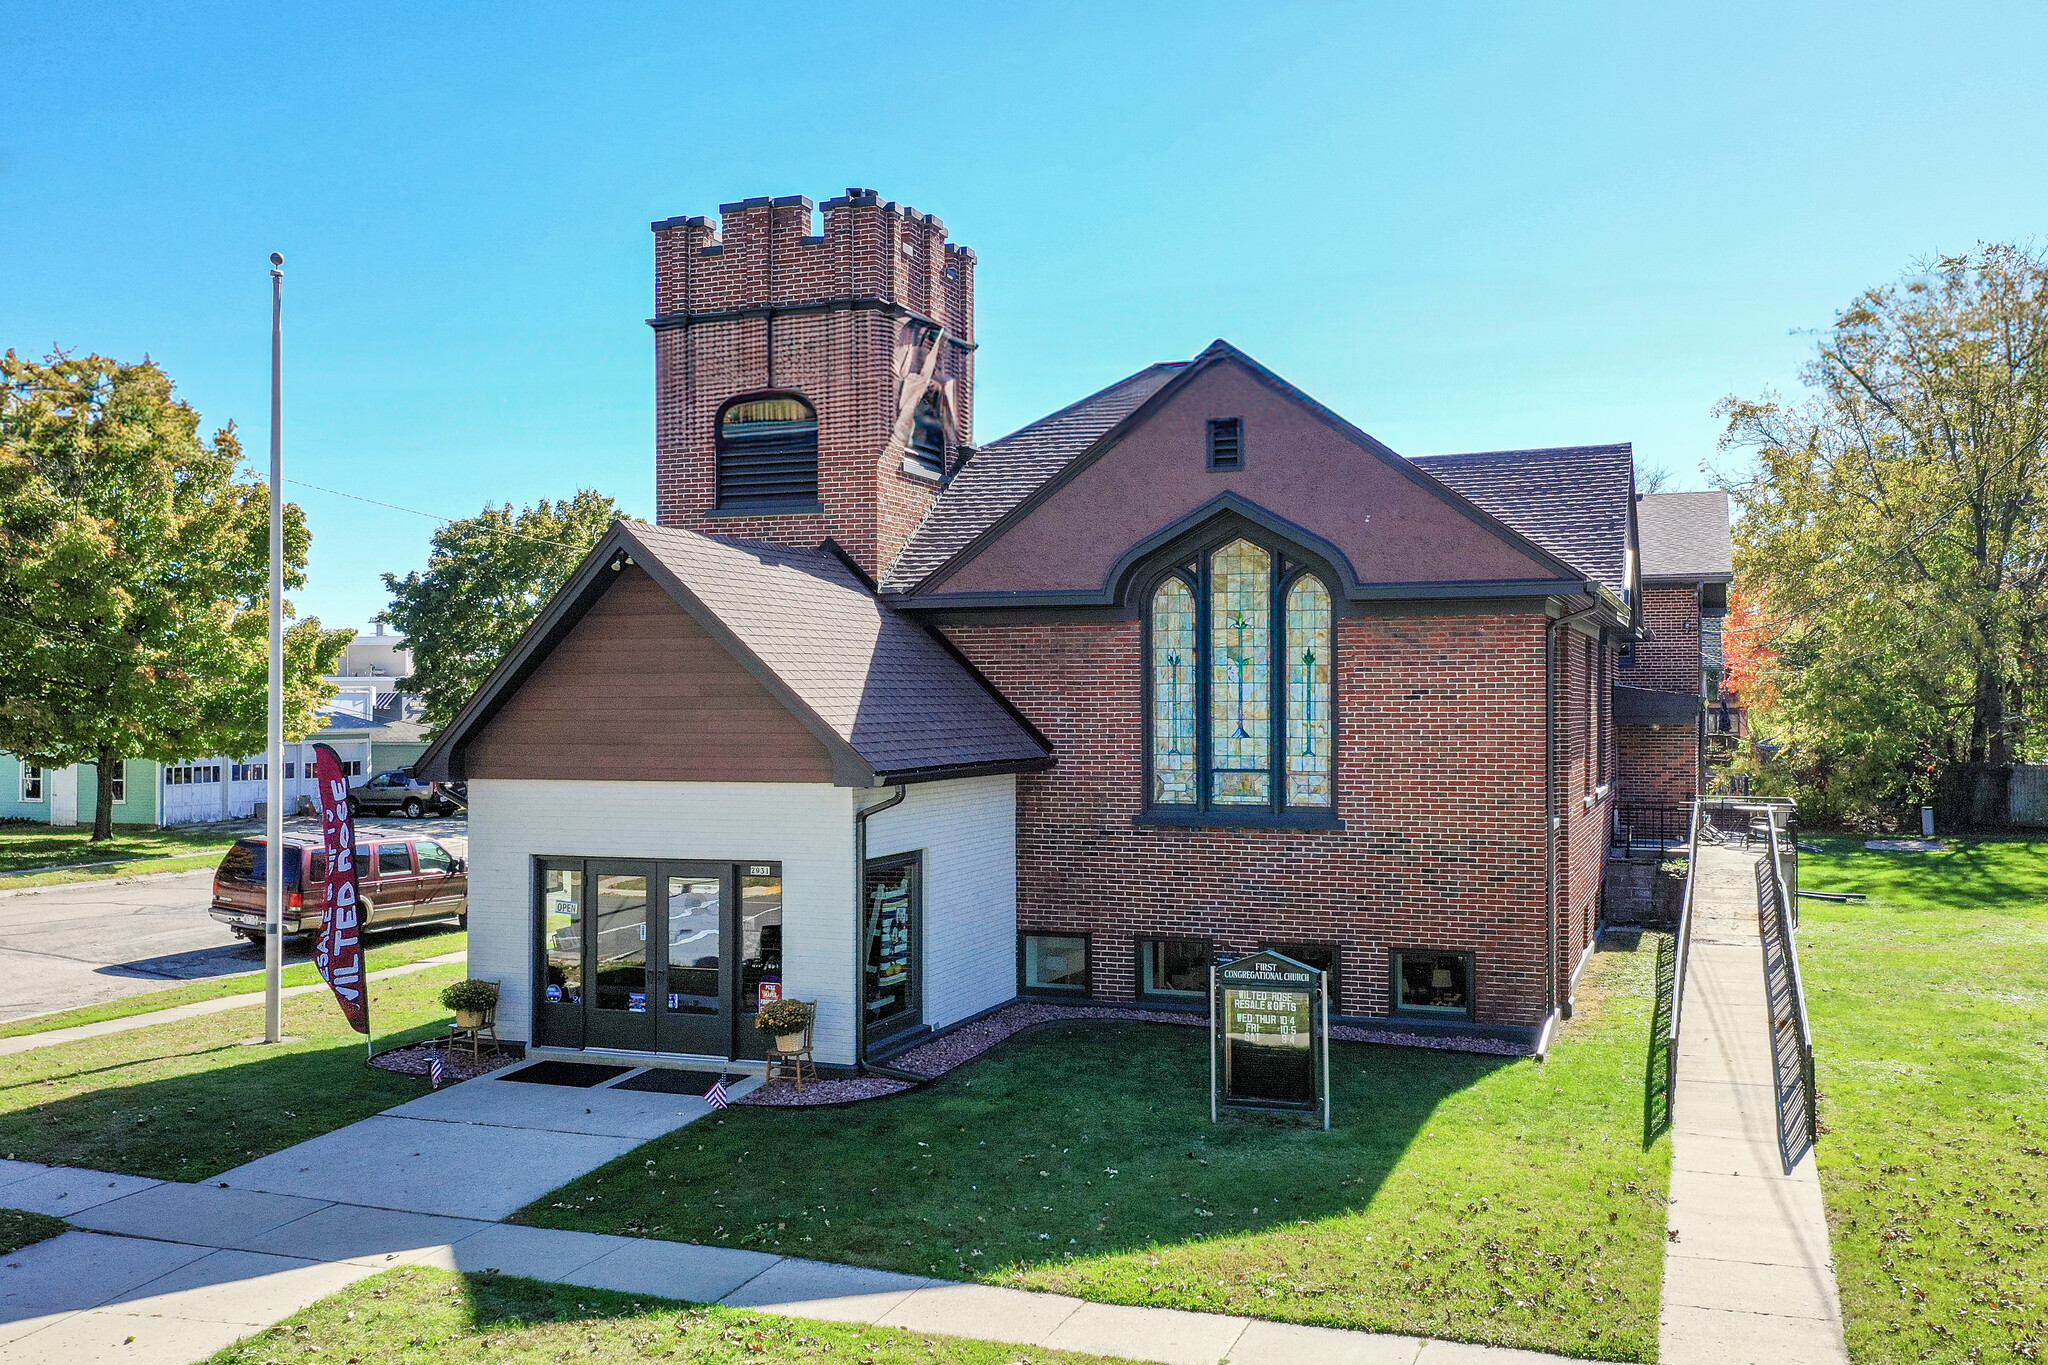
[
  {"x": 29, "y": 1042},
  {"x": 168, "y": 1273},
  {"x": 1748, "y": 1274}
]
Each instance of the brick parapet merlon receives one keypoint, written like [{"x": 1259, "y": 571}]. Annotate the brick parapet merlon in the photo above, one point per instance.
[{"x": 762, "y": 256}]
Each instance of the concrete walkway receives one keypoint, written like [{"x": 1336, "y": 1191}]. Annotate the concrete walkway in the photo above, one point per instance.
[
  {"x": 29, "y": 1042},
  {"x": 161, "y": 1273},
  {"x": 1748, "y": 1276}
]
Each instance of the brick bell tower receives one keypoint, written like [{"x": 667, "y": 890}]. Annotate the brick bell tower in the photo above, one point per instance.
[{"x": 810, "y": 386}]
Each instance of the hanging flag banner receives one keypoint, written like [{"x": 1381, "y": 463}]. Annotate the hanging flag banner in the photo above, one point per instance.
[{"x": 338, "y": 951}]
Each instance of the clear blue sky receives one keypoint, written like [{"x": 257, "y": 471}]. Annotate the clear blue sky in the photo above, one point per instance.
[{"x": 1462, "y": 226}]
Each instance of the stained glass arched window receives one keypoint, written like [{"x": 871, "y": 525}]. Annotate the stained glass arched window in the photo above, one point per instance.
[
  {"x": 1239, "y": 675},
  {"x": 1309, "y": 738},
  {"x": 1174, "y": 661}
]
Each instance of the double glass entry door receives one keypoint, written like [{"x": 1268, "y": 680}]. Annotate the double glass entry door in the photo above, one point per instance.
[{"x": 657, "y": 956}]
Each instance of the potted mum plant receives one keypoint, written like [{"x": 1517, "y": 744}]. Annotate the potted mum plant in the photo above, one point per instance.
[
  {"x": 472, "y": 1001},
  {"x": 787, "y": 1020}
]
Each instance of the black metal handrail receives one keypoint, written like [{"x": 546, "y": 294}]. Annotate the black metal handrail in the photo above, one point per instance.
[
  {"x": 1692, "y": 864},
  {"x": 1785, "y": 908}
]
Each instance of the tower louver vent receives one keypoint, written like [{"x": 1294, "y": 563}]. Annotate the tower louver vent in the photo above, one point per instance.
[
  {"x": 768, "y": 452},
  {"x": 1226, "y": 443}
]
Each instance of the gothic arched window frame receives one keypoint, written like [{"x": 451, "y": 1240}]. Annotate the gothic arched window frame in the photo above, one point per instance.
[{"x": 1193, "y": 779}]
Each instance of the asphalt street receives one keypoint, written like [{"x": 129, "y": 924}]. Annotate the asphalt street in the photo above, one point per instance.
[{"x": 89, "y": 942}]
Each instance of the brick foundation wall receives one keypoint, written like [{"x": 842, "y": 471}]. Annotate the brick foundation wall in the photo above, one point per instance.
[
  {"x": 1439, "y": 781},
  {"x": 885, "y": 268},
  {"x": 1660, "y": 765}
]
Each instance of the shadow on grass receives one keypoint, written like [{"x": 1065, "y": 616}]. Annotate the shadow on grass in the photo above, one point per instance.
[
  {"x": 1660, "y": 1068},
  {"x": 232, "y": 1105},
  {"x": 1076, "y": 1140},
  {"x": 1981, "y": 871}
]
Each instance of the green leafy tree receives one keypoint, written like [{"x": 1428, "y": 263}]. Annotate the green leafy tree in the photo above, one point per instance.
[
  {"x": 1894, "y": 523},
  {"x": 134, "y": 577},
  {"x": 487, "y": 577}
]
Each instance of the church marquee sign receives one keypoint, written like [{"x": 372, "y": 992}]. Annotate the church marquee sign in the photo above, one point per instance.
[{"x": 1269, "y": 1036}]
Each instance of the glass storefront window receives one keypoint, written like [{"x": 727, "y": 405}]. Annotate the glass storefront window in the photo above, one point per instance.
[
  {"x": 760, "y": 941},
  {"x": 561, "y": 909},
  {"x": 695, "y": 927},
  {"x": 1173, "y": 967},
  {"x": 1056, "y": 962},
  {"x": 1433, "y": 983},
  {"x": 621, "y": 968},
  {"x": 890, "y": 985}
]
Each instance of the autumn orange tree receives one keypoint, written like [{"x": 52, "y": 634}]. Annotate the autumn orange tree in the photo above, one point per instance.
[{"x": 1893, "y": 541}]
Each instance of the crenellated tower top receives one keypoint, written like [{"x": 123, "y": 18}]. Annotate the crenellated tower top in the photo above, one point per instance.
[{"x": 865, "y": 329}]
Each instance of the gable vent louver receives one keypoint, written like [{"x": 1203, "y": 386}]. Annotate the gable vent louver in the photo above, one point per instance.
[{"x": 1226, "y": 443}]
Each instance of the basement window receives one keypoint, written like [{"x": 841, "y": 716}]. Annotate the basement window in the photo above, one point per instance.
[
  {"x": 1433, "y": 983},
  {"x": 1053, "y": 963},
  {"x": 1173, "y": 968}
]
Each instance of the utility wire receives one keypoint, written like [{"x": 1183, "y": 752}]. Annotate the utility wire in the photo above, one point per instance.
[{"x": 445, "y": 521}]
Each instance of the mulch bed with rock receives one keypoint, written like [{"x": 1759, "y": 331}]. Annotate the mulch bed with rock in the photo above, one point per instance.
[{"x": 418, "y": 1059}]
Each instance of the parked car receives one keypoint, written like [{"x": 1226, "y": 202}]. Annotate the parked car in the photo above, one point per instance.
[
  {"x": 398, "y": 792},
  {"x": 399, "y": 881}
]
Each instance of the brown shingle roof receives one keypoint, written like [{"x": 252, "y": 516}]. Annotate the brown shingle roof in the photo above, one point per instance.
[
  {"x": 1571, "y": 500},
  {"x": 1003, "y": 473},
  {"x": 881, "y": 682},
  {"x": 1685, "y": 536}
]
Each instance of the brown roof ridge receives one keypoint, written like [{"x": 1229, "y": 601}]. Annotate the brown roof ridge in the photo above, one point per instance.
[{"x": 1086, "y": 399}]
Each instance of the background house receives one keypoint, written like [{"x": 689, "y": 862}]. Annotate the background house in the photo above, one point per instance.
[{"x": 369, "y": 723}]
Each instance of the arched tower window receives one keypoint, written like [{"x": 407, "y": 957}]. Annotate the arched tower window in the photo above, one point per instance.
[
  {"x": 928, "y": 435},
  {"x": 1241, "y": 651},
  {"x": 767, "y": 452}
]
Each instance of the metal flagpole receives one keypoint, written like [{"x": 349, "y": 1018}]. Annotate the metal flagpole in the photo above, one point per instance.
[{"x": 273, "y": 881}]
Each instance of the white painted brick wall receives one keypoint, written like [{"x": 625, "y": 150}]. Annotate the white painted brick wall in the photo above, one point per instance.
[
  {"x": 806, "y": 827},
  {"x": 968, "y": 831}
]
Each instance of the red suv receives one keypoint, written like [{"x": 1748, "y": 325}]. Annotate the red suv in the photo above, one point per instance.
[{"x": 400, "y": 881}]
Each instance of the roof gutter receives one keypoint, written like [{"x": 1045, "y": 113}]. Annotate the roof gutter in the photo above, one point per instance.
[{"x": 1551, "y": 820}]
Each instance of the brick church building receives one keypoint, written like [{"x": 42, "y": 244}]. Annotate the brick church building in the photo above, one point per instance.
[{"x": 912, "y": 727}]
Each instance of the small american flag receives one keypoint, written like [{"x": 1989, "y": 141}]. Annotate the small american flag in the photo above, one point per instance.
[
  {"x": 715, "y": 1096},
  {"x": 435, "y": 1071}
]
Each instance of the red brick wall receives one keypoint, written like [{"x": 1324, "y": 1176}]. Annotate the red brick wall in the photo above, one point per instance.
[
  {"x": 1671, "y": 661},
  {"x": 1586, "y": 789},
  {"x": 841, "y": 360},
  {"x": 1660, "y": 765},
  {"x": 1440, "y": 783}
]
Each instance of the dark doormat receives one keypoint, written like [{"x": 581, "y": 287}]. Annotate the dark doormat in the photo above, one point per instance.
[
  {"x": 579, "y": 1074},
  {"x": 665, "y": 1080}
]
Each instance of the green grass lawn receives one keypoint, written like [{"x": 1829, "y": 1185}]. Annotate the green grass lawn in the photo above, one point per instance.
[
  {"x": 1476, "y": 1198},
  {"x": 187, "y": 1100},
  {"x": 436, "y": 1317},
  {"x": 19, "y": 1228},
  {"x": 1930, "y": 1017},
  {"x": 134, "y": 848},
  {"x": 386, "y": 950}
]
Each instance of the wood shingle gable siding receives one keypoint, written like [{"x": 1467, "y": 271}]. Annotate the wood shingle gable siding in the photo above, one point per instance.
[{"x": 639, "y": 692}]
